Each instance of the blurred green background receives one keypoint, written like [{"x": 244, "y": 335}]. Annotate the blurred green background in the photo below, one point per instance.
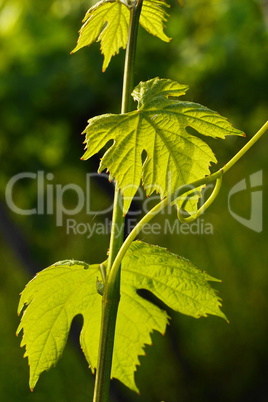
[{"x": 220, "y": 49}]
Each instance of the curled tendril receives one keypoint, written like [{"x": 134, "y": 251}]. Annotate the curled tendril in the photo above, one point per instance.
[{"x": 208, "y": 202}]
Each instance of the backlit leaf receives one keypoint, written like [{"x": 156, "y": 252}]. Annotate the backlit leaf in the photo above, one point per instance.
[
  {"x": 60, "y": 292},
  {"x": 53, "y": 298},
  {"x": 107, "y": 22},
  {"x": 174, "y": 157},
  {"x": 153, "y": 16}
]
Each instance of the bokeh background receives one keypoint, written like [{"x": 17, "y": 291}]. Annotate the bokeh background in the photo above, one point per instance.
[{"x": 220, "y": 49}]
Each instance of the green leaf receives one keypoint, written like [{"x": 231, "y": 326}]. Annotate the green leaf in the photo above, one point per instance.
[
  {"x": 60, "y": 292},
  {"x": 174, "y": 157},
  {"x": 172, "y": 279},
  {"x": 54, "y": 297},
  {"x": 107, "y": 22},
  {"x": 153, "y": 16}
]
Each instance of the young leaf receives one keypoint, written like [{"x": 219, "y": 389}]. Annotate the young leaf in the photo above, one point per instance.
[
  {"x": 153, "y": 16},
  {"x": 53, "y": 298},
  {"x": 108, "y": 21},
  {"x": 175, "y": 281},
  {"x": 158, "y": 126},
  {"x": 60, "y": 292}
]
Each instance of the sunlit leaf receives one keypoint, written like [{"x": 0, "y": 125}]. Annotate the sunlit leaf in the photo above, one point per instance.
[
  {"x": 107, "y": 22},
  {"x": 174, "y": 157},
  {"x": 153, "y": 16},
  {"x": 54, "y": 297},
  {"x": 60, "y": 292}
]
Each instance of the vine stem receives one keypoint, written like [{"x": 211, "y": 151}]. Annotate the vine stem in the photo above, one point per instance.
[
  {"x": 217, "y": 176},
  {"x": 111, "y": 293}
]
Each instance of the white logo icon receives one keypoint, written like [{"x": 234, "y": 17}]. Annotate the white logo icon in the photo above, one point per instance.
[{"x": 256, "y": 207}]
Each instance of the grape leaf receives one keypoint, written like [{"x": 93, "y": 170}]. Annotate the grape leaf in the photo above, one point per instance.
[
  {"x": 107, "y": 22},
  {"x": 60, "y": 292},
  {"x": 54, "y": 297},
  {"x": 153, "y": 16},
  {"x": 158, "y": 126}
]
